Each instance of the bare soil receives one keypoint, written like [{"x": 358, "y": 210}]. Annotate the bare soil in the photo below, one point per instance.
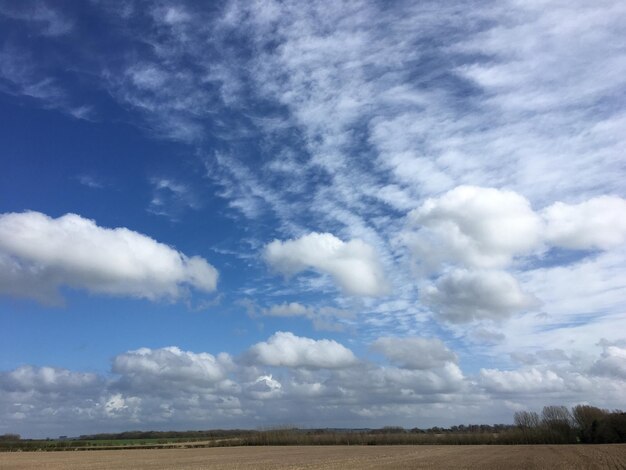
[{"x": 610, "y": 456}]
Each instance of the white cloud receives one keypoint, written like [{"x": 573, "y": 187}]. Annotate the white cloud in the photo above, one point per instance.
[
  {"x": 21, "y": 75},
  {"x": 171, "y": 15},
  {"x": 153, "y": 88},
  {"x": 480, "y": 227},
  {"x": 18, "y": 71},
  {"x": 323, "y": 318},
  {"x": 531, "y": 67},
  {"x": 521, "y": 381},
  {"x": 118, "y": 405},
  {"x": 483, "y": 335},
  {"x": 599, "y": 223},
  {"x": 415, "y": 352},
  {"x": 415, "y": 382},
  {"x": 265, "y": 387},
  {"x": 171, "y": 198},
  {"x": 47, "y": 380},
  {"x": 40, "y": 254},
  {"x": 488, "y": 227},
  {"x": 318, "y": 382},
  {"x": 46, "y": 20},
  {"x": 462, "y": 296},
  {"x": 90, "y": 181},
  {"x": 170, "y": 367},
  {"x": 353, "y": 264},
  {"x": 291, "y": 309},
  {"x": 244, "y": 190},
  {"x": 289, "y": 350},
  {"x": 612, "y": 363},
  {"x": 591, "y": 287}
]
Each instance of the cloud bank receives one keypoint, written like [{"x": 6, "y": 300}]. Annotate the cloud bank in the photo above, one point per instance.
[{"x": 312, "y": 381}]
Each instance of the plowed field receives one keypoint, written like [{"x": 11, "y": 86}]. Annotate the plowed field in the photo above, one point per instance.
[{"x": 330, "y": 457}]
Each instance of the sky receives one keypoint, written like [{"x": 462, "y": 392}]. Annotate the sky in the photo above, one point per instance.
[{"x": 245, "y": 214}]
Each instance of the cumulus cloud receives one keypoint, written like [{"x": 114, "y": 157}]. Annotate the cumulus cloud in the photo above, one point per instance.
[
  {"x": 414, "y": 382},
  {"x": 599, "y": 223},
  {"x": 531, "y": 380},
  {"x": 47, "y": 380},
  {"x": 564, "y": 374},
  {"x": 264, "y": 387},
  {"x": 166, "y": 387},
  {"x": 488, "y": 227},
  {"x": 40, "y": 254},
  {"x": 118, "y": 405},
  {"x": 612, "y": 363},
  {"x": 147, "y": 368},
  {"x": 353, "y": 264},
  {"x": 462, "y": 296},
  {"x": 289, "y": 350},
  {"x": 479, "y": 227},
  {"x": 415, "y": 352}
]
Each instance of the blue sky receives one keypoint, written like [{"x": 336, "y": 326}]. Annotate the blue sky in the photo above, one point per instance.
[{"x": 350, "y": 214}]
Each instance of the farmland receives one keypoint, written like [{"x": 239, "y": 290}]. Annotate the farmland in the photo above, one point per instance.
[{"x": 327, "y": 457}]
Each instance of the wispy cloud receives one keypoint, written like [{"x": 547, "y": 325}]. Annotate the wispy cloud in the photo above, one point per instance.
[
  {"x": 90, "y": 181},
  {"x": 171, "y": 198},
  {"x": 21, "y": 76},
  {"x": 39, "y": 16}
]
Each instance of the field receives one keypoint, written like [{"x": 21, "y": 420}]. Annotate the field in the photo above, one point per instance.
[{"x": 610, "y": 456}]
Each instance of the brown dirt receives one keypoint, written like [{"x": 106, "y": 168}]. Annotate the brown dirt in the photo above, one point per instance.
[{"x": 330, "y": 457}]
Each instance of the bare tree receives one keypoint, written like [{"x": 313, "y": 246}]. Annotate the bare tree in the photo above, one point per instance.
[
  {"x": 558, "y": 420},
  {"x": 585, "y": 415},
  {"x": 588, "y": 419},
  {"x": 526, "y": 419}
]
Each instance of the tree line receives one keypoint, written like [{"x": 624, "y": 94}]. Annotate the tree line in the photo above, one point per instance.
[
  {"x": 558, "y": 425},
  {"x": 554, "y": 425}
]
